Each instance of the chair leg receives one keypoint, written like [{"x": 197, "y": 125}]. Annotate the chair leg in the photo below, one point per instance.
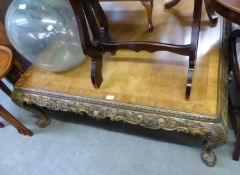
[
  {"x": 213, "y": 18},
  {"x": 236, "y": 153},
  {"x": 14, "y": 122},
  {"x": 171, "y": 3},
  {"x": 5, "y": 89},
  {"x": 236, "y": 129},
  {"x": 148, "y": 4},
  {"x": 232, "y": 116}
]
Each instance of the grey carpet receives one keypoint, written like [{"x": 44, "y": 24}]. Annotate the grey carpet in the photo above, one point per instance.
[{"x": 80, "y": 145}]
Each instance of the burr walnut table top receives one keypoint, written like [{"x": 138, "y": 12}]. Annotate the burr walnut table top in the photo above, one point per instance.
[{"x": 148, "y": 79}]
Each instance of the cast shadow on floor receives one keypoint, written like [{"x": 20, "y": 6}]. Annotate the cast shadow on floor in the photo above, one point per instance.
[{"x": 125, "y": 128}]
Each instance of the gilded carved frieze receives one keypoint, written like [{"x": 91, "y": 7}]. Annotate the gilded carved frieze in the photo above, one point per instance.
[{"x": 146, "y": 118}]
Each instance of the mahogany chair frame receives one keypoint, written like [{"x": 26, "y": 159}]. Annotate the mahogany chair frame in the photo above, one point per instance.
[
  {"x": 234, "y": 66},
  {"x": 90, "y": 12}
]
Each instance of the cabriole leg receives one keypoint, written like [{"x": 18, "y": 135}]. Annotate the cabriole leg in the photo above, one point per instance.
[
  {"x": 148, "y": 4},
  {"x": 208, "y": 156},
  {"x": 43, "y": 121},
  {"x": 216, "y": 137}
]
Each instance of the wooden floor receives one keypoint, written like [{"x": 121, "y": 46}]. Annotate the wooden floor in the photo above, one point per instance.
[{"x": 150, "y": 79}]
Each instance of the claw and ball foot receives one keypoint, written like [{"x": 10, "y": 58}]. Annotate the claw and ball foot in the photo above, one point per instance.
[
  {"x": 43, "y": 121},
  {"x": 209, "y": 157}
]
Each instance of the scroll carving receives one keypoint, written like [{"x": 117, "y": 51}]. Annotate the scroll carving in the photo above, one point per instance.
[{"x": 216, "y": 132}]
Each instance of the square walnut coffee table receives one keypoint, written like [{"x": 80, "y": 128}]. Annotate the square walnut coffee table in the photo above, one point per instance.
[{"x": 146, "y": 89}]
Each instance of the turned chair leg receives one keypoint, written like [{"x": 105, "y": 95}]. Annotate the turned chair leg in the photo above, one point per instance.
[
  {"x": 148, "y": 4},
  {"x": 14, "y": 122}
]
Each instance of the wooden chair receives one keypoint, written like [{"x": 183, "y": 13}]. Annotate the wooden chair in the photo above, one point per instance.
[
  {"x": 148, "y": 4},
  {"x": 5, "y": 66},
  {"x": 230, "y": 9},
  {"x": 235, "y": 68}
]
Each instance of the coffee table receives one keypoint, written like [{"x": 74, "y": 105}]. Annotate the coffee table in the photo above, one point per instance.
[{"x": 145, "y": 89}]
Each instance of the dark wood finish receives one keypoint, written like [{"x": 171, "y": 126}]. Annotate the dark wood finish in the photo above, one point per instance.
[
  {"x": 148, "y": 4},
  {"x": 5, "y": 66},
  {"x": 211, "y": 13},
  {"x": 103, "y": 43},
  {"x": 232, "y": 116},
  {"x": 194, "y": 44},
  {"x": 234, "y": 66},
  {"x": 236, "y": 152},
  {"x": 5, "y": 89}
]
